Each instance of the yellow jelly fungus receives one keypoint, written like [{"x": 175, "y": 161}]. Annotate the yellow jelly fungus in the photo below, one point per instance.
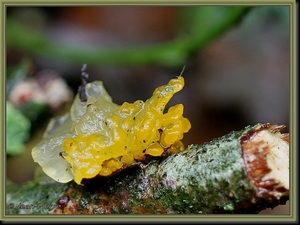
[
  {"x": 127, "y": 159},
  {"x": 115, "y": 136},
  {"x": 100, "y": 138},
  {"x": 154, "y": 149},
  {"x": 84, "y": 154},
  {"x": 176, "y": 147}
]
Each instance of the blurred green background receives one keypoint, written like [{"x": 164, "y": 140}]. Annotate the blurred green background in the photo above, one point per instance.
[{"x": 237, "y": 66}]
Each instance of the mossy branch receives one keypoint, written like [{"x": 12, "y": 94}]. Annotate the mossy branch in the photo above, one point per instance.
[{"x": 242, "y": 172}]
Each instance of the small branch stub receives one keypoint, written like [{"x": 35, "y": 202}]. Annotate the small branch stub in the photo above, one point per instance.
[{"x": 84, "y": 78}]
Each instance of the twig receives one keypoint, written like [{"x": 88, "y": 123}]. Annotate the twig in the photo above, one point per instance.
[
  {"x": 242, "y": 172},
  {"x": 81, "y": 88}
]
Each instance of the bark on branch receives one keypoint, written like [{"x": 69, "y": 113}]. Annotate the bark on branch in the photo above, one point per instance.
[{"x": 242, "y": 172}]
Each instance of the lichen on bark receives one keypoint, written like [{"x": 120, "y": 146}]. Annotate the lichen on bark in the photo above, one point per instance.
[{"x": 214, "y": 177}]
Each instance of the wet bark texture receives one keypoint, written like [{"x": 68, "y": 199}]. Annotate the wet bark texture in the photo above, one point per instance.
[{"x": 241, "y": 172}]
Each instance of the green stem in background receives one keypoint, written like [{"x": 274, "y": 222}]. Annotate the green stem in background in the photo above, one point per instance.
[
  {"x": 244, "y": 171},
  {"x": 208, "y": 23}
]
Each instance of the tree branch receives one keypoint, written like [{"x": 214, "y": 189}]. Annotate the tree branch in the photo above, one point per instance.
[
  {"x": 242, "y": 172},
  {"x": 208, "y": 24}
]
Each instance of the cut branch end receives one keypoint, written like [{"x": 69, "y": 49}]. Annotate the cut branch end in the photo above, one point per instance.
[{"x": 266, "y": 156}]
